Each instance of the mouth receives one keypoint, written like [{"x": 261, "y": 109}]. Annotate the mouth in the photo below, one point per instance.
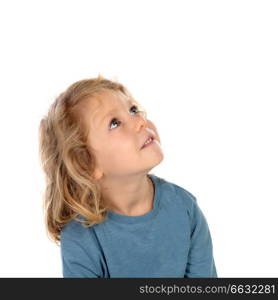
[{"x": 148, "y": 141}]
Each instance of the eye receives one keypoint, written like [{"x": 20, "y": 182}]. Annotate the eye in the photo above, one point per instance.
[
  {"x": 135, "y": 107},
  {"x": 115, "y": 121}
]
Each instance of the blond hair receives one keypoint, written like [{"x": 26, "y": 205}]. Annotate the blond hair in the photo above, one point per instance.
[{"x": 67, "y": 161}]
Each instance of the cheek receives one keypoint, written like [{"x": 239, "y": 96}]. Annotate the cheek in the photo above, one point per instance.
[
  {"x": 119, "y": 155},
  {"x": 127, "y": 146},
  {"x": 121, "y": 147}
]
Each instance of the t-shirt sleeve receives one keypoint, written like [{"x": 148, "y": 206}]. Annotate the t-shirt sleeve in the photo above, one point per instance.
[
  {"x": 79, "y": 253},
  {"x": 200, "y": 257}
]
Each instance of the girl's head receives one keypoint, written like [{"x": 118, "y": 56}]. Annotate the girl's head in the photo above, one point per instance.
[{"x": 93, "y": 132}]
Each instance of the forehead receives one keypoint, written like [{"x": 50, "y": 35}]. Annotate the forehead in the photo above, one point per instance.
[
  {"x": 108, "y": 98},
  {"x": 101, "y": 104},
  {"x": 105, "y": 102}
]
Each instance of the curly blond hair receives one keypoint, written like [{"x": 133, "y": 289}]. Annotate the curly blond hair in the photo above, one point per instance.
[{"x": 68, "y": 162}]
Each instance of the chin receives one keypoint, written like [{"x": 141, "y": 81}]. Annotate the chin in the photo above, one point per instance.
[{"x": 157, "y": 161}]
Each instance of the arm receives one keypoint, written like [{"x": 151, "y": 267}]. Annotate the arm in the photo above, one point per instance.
[
  {"x": 78, "y": 253},
  {"x": 200, "y": 257}
]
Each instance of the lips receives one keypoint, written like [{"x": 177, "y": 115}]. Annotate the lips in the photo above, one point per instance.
[{"x": 149, "y": 136}]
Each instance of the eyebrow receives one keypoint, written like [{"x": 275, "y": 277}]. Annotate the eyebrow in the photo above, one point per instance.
[{"x": 111, "y": 112}]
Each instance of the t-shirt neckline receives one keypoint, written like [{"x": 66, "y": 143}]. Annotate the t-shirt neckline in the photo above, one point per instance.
[{"x": 141, "y": 218}]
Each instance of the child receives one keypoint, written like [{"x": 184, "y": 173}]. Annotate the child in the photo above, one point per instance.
[{"x": 111, "y": 217}]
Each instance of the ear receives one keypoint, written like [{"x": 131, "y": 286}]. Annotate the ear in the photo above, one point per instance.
[{"x": 97, "y": 174}]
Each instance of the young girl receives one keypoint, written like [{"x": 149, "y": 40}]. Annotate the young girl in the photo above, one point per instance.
[{"x": 111, "y": 217}]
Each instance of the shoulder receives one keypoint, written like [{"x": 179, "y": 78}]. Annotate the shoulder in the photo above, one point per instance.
[
  {"x": 76, "y": 232},
  {"x": 173, "y": 193}
]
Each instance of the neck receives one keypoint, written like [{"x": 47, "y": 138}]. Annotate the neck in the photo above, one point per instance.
[{"x": 131, "y": 197}]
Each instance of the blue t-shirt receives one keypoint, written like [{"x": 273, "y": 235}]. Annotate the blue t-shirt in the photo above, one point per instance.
[{"x": 172, "y": 240}]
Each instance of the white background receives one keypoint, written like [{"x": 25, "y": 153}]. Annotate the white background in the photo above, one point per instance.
[{"x": 205, "y": 71}]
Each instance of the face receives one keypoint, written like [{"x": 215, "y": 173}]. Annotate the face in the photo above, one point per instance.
[{"x": 117, "y": 132}]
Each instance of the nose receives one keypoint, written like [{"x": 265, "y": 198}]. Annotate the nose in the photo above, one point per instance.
[{"x": 140, "y": 122}]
